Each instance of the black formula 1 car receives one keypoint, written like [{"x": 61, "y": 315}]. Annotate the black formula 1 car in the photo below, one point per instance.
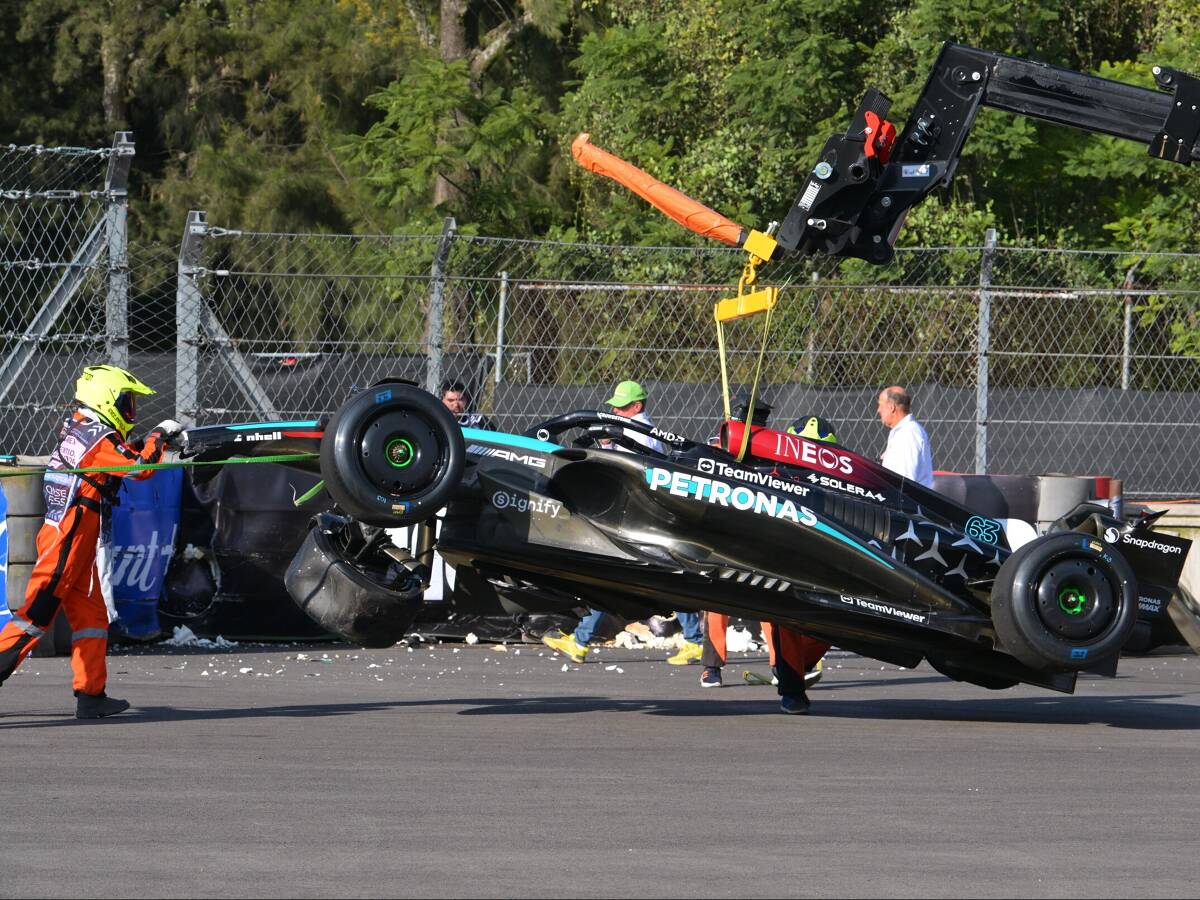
[{"x": 801, "y": 532}]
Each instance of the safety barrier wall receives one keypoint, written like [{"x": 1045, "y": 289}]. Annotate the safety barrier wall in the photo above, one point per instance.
[
  {"x": 1022, "y": 360},
  {"x": 145, "y": 523}
]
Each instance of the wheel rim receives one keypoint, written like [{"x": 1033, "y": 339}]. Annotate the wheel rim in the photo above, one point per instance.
[
  {"x": 1075, "y": 598},
  {"x": 400, "y": 452}
]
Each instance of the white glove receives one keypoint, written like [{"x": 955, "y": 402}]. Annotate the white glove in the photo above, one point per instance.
[{"x": 170, "y": 428}]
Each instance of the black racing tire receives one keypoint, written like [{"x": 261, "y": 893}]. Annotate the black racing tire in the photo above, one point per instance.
[
  {"x": 1141, "y": 640},
  {"x": 1064, "y": 602},
  {"x": 392, "y": 455},
  {"x": 346, "y": 601}
]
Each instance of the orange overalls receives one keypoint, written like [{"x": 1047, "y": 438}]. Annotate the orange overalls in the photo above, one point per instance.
[
  {"x": 791, "y": 653},
  {"x": 65, "y": 573}
]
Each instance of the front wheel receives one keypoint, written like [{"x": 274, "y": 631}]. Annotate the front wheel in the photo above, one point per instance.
[
  {"x": 392, "y": 455},
  {"x": 360, "y": 601},
  {"x": 1064, "y": 602}
]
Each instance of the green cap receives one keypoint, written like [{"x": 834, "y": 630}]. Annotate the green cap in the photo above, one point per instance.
[{"x": 627, "y": 392}]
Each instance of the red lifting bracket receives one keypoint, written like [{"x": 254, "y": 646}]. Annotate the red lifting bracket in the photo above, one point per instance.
[{"x": 880, "y": 134}]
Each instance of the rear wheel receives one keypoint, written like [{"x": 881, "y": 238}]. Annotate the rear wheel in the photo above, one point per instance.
[
  {"x": 1064, "y": 602},
  {"x": 392, "y": 455}
]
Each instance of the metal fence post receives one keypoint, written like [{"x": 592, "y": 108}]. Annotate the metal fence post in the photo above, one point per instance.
[
  {"x": 1127, "y": 342},
  {"x": 188, "y": 318},
  {"x": 500, "y": 327},
  {"x": 116, "y": 207},
  {"x": 983, "y": 339},
  {"x": 437, "y": 299}
]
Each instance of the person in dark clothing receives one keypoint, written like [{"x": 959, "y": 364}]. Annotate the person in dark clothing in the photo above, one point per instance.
[
  {"x": 454, "y": 398},
  {"x": 795, "y": 657}
]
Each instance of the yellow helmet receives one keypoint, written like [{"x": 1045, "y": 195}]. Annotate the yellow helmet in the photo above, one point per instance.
[
  {"x": 109, "y": 391},
  {"x": 813, "y": 427}
]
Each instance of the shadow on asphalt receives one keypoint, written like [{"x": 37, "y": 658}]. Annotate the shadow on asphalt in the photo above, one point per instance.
[{"x": 1149, "y": 711}]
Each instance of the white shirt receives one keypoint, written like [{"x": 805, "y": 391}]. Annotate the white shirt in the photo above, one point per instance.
[
  {"x": 644, "y": 439},
  {"x": 908, "y": 452}
]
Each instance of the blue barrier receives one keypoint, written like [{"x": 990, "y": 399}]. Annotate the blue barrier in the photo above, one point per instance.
[{"x": 145, "y": 524}]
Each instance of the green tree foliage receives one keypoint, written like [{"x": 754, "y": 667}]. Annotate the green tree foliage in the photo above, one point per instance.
[
  {"x": 726, "y": 101},
  {"x": 464, "y": 131},
  {"x": 237, "y": 106},
  {"x": 387, "y": 115},
  {"x": 493, "y": 155},
  {"x": 261, "y": 95},
  {"x": 731, "y": 102}
]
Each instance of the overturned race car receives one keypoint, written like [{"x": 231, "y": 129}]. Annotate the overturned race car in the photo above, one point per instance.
[{"x": 799, "y": 531}]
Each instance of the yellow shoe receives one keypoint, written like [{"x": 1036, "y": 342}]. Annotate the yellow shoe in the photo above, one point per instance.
[
  {"x": 567, "y": 646},
  {"x": 813, "y": 675},
  {"x": 689, "y": 653}
]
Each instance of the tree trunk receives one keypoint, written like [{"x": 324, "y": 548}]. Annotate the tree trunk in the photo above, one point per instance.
[
  {"x": 452, "y": 31},
  {"x": 113, "y": 53},
  {"x": 452, "y": 47}
]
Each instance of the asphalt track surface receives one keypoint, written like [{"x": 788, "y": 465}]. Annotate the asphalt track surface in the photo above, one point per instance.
[{"x": 464, "y": 771}]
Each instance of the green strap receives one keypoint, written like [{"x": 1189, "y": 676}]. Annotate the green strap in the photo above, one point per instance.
[
  {"x": 309, "y": 494},
  {"x": 140, "y": 467},
  {"x": 143, "y": 467}
]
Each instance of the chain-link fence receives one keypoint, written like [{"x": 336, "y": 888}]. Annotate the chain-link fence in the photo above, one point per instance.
[
  {"x": 61, "y": 229},
  {"x": 1020, "y": 360},
  {"x": 74, "y": 292}
]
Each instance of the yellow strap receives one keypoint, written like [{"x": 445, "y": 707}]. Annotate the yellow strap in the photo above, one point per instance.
[
  {"x": 762, "y": 352},
  {"x": 724, "y": 370}
]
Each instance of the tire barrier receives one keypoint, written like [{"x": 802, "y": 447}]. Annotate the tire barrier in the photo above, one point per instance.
[{"x": 24, "y": 516}]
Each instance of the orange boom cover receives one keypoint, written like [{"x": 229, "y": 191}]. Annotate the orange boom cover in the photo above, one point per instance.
[{"x": 679, "y": 206}]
